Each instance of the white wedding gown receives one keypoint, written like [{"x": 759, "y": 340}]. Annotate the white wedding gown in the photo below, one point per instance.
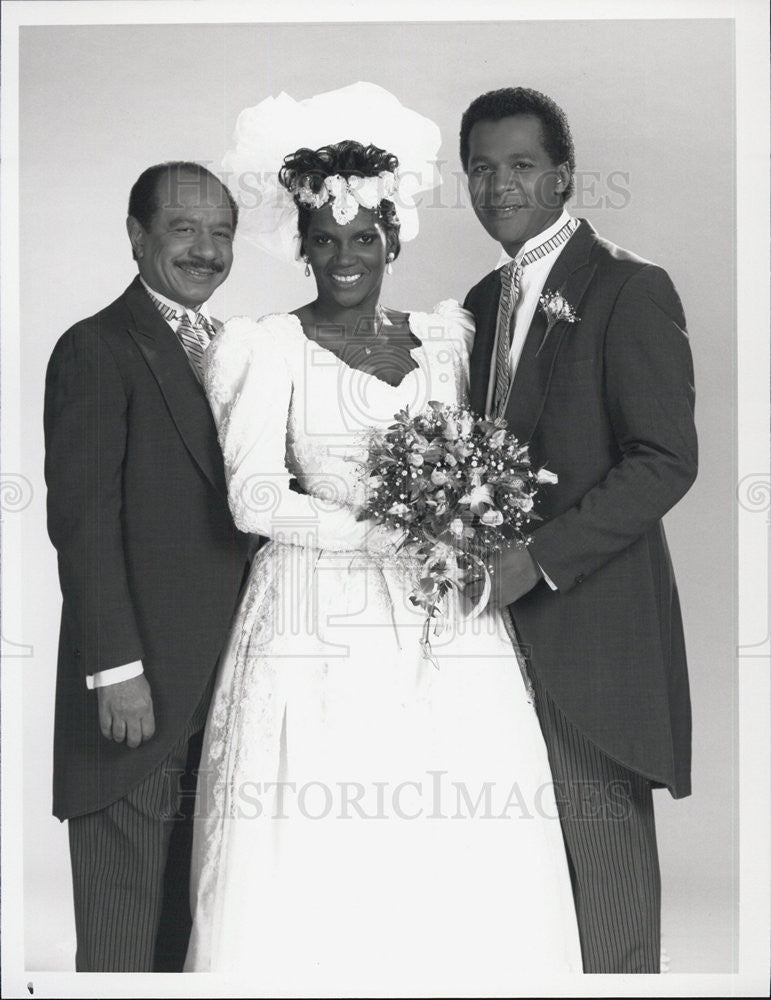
[{"x": 367, "y": 824}]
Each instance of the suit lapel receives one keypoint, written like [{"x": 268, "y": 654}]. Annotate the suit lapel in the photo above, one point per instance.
[
  {"x": 181, "y": 390},
  {"x": 571, "y": 275},
  {"x": 486, "y": 315}
]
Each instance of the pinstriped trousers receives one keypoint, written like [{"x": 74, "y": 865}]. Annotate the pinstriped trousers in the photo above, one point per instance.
[
  {"x": 606, "y": 812},
  {"x": 130, "y": 868}
]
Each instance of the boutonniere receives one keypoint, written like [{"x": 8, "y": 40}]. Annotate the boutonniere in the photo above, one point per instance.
[{"x": 558, "y": 310}]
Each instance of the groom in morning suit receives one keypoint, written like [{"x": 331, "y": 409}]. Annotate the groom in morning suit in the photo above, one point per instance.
[
  {"x": 603, "y": 391},
  {"x": 150, "y": 567}
]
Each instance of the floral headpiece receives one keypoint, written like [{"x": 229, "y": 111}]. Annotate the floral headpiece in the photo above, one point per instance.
[
  {"x": 346, "y": 194},
  {"x": 370, "y": 114}
]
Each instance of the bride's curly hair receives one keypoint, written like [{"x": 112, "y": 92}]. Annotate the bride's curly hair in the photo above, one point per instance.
[{"x": 348, "y": 158}]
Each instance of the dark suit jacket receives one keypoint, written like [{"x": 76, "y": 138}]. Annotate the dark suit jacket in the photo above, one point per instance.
[
  {"x": 607, "y": 405},
  {"x": 150, "y": 563}
]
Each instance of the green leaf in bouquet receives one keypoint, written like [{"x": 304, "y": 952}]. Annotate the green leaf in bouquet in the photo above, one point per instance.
[
  {"x": 463, "y": 450},
  {"x": 419, "y": 441},
  {"x": 433, "y": 453}
]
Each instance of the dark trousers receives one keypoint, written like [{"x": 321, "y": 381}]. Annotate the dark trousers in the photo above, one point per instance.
[
  {"x": 606, "y": 812},
  {"x": 131, "y": 869}
]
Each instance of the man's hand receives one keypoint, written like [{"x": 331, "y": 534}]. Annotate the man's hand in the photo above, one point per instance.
[
  {"x": 126, "y": 711},
  {"x": 513, "y": 573}
]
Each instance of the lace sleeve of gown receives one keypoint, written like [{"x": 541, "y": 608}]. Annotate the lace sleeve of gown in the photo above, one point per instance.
[{"x": 248, "y": 379}]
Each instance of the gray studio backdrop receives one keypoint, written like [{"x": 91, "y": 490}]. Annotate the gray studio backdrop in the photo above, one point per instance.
[{"x": 651, "y": 106}]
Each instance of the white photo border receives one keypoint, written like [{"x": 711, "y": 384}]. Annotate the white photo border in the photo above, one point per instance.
[{"x": 753, "y": 508}]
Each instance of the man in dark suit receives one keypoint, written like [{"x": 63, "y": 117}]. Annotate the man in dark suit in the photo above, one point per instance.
[
  {"x": 581, "y": 347},
  {"x": 150, "y": 567}
]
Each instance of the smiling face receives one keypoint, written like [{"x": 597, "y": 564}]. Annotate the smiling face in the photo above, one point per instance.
[
  {"x": 515, "y": 188},
  {"x": 187, "y": 251},
  {"x": 348, "y": 262}
]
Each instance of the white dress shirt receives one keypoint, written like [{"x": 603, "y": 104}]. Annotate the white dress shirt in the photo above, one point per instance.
[
  {"x": 114, "y": 675},
  {"x": 531, "y": 288},
  {"x": 531, "y": 284}
]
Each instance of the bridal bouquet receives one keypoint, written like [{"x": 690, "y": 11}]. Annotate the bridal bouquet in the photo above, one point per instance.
[{"x": 460, "y": 487}]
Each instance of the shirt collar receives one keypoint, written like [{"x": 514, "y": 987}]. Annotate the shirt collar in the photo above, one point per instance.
[
  {"x": 203, "y": 309},
  {"x": 536, "y": 241}
]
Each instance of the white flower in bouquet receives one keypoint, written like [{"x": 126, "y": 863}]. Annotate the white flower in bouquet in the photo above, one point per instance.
[
  {"x": 456, "y": 527},
  {"x": 544, "y": 476},
  {"x": 479, "y": 499},
  {"x": 465, "y": 424}
]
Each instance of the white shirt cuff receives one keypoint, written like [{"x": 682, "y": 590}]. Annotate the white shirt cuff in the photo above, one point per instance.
[
  {"x": 546, "y": 577},
  {"x": 103, "y": 678}
]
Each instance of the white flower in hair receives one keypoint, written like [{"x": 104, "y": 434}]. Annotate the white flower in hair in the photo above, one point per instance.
[
  {"x": 344, "y": 203},
  {"x": 309, "y": 197},
  {"x": 365, "y": 191},
  {"x": 388, "y": 181},
  {"x": 370, "y": 191},
  {"x": 346, "y": 194}
]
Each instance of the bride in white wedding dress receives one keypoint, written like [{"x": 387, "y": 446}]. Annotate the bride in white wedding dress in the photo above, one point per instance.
[{"x": 367, "y": 824}]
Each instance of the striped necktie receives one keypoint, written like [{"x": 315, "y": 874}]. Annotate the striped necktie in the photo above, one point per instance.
[
  {"x": 194, "y": 337},
  {"x": 511, "y": 280}
]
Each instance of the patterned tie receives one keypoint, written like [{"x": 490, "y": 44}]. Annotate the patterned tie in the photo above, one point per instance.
[
  {"x": 511, "y": 278},
  {"x": 195, "y": 339},
  {"x": 511, "y": 281}
]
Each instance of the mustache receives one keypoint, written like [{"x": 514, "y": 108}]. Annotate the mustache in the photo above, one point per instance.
[{"x": 204, "y": 265}]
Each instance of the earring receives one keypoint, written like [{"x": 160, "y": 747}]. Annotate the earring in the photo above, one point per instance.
[
  {"x": 307, "y": 260},
  {"x": 389, "y": 264}
]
